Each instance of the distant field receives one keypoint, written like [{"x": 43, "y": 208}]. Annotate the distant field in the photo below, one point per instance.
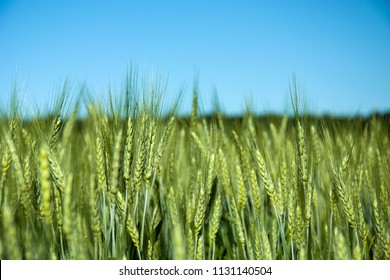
[{"x": 127, "y": 183}]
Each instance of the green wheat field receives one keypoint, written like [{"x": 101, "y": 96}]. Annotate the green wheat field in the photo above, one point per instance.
[{"x": 127, "y": 181}]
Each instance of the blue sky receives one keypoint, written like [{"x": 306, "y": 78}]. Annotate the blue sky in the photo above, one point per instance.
[{"x": 245, "y": 51}]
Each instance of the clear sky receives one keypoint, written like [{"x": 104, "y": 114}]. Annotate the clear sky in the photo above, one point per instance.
[{"x": 246, "y": 51}]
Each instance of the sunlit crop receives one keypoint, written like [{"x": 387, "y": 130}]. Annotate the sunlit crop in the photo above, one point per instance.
[{"x": 125, "y": 181}]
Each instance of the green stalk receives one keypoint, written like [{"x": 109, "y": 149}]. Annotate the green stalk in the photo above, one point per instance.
[{"x": 284, "y": 246}]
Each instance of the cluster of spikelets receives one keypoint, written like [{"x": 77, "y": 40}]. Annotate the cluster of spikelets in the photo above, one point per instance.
[{"x": 131, "y": 184}]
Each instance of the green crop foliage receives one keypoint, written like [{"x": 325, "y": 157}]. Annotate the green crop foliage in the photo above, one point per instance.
[{"x": 125, "y": 181}]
